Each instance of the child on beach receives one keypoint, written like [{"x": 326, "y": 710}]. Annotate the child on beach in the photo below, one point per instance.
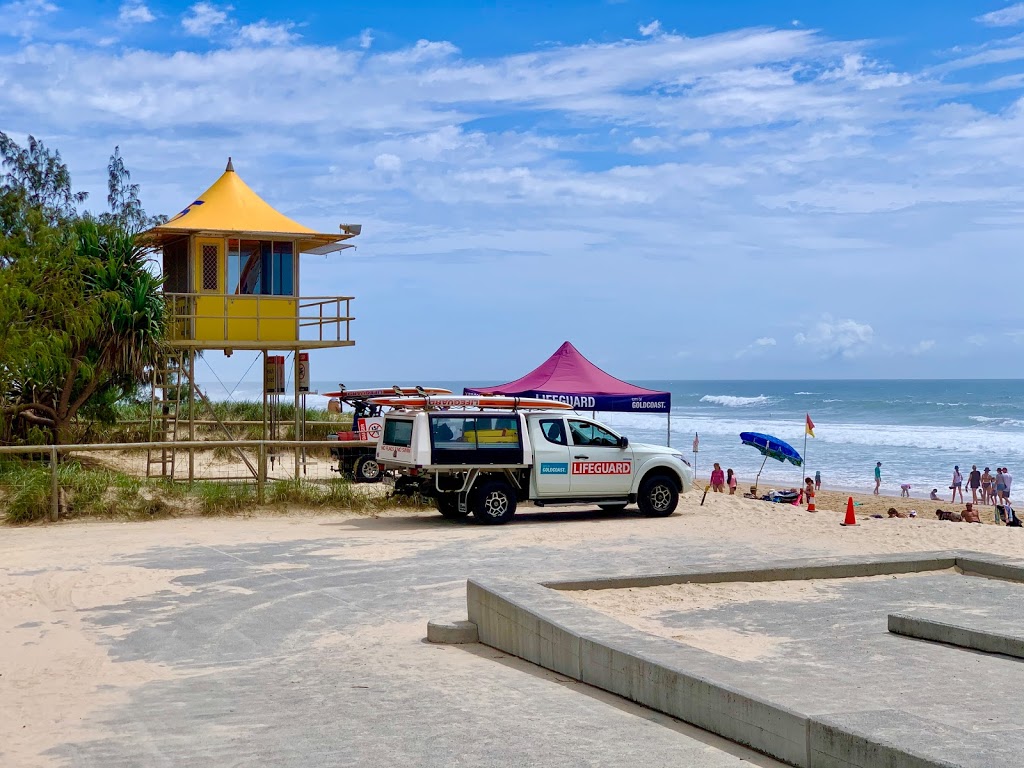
[
  {"x": 878, "y": 477},
  {"x": 905, "y": 490},
  {"x": 730, "y": 480},
  {"x": 935, "y": 495},
  {"x": 817, "y": 480}
]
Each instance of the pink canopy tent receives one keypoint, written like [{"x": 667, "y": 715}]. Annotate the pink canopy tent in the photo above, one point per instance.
[{"x": 568, "y": 377}]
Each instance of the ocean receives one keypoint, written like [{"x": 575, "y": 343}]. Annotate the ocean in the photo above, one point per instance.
[{"x": 918, "y": 429}]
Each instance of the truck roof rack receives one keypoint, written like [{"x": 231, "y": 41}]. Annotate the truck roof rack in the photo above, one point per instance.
[{"x": 441, "y": 402}]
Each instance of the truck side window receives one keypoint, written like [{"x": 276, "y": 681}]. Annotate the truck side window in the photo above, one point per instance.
[{"x": 553, "y": 431}]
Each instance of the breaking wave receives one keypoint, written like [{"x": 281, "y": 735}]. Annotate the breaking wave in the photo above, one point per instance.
[{"x": 733, "y": 401}]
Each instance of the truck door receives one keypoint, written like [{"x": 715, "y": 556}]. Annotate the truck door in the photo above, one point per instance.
[
  {"x": 551, "y": 457},
  {"x": 599, "y": 466}
]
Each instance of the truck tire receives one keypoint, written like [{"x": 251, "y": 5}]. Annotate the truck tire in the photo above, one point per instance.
[
  {"x": 367, "y": 470},
  {"x": 658, "y": 496},
  {"x": 613, "y": 507},
  {"x": 494, "y": 502},
  {"x": 448, "y": 505}
]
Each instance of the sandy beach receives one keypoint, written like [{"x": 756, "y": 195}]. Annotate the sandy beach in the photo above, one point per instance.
[{"x": 59, "y": 675}]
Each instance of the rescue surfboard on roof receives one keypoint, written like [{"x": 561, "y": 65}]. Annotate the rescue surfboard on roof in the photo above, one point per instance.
[
  {"x": 360, "y": 394},
  {"x": 469, "y": 401}
]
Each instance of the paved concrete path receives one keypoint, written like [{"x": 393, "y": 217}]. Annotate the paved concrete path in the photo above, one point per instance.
[{"x": 311, "y": 652}]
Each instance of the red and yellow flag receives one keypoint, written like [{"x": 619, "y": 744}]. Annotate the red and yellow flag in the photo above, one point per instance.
[{"x": 810, "y": 426}]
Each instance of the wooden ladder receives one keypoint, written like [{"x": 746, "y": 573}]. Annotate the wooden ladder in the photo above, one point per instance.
[{"x": 167, "y": 379}]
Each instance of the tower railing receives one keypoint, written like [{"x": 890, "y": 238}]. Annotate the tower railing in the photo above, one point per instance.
[{"x": 195, "y": 319}]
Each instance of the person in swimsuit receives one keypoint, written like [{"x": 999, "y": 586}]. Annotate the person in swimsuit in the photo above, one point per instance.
[
  {"x": 730, "y": 480},
  {"x": 957, "y": 485},
  {"x": 817, "y": 480},
  {"x": 986, "y": 486},
  {"x": 718, "y": 479},
  {"x": 1000, "y": 484},
  {"x": 878, "y": 477}
]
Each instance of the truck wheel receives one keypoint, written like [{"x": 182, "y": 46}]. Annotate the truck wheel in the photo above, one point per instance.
[
  {"x": 367, "y": 470},
  {"x": 448, "y": 505},
  {"x": 658, "y": 496},
  {"x": 494, "y": 502},
  {"x": 612, "y": 507}
]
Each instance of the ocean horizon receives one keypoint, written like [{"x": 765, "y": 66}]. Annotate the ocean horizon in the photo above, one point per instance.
[{"x": 918, "y": 428}]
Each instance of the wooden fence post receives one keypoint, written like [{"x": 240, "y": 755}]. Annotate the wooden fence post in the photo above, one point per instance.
[
  {"x": 54, "y": 485},
  {"x": 261, "y": 476}
]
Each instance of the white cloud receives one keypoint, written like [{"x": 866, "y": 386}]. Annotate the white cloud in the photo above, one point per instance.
[
  {"x": 388, "y": 163},
  {"x": 265, "y": 33},
  {"x": 135, "y": 12},
  {"x": 837, "y": 338},
  {"x": 923, "y": 346},
  {"x": 758, "y": 345},
  {"x": 205, "y": 19},
  {"x": 22, "y": 18},
  {"x": 1004, "y": 17},
  {"x": 366, "y": 38},
  {"x": 977, "y": 340},
  {"x": 649, "y": 30}
]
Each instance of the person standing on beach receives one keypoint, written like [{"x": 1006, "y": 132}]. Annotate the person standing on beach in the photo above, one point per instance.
[
  {"x": 878, "y": 477},
  {"x": 817, "y": 480},
  {"x": 730, "y": 480},
  {"x": 987, "y": 481},
  {"x": 1000, "y": 484},
  {"x": 718, "y": 479},
  {"x": 958, "y": 484},
  {"x": 974, "y": 480},
  {"x": 1007, "y": 479}
]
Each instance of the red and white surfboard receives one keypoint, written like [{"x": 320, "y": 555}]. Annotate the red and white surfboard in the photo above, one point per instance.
[
  {"x": 470, "y": 401},
  {"x": 363, "y": 394}
]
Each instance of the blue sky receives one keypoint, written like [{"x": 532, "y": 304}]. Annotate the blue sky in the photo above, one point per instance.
[{"x": 684, "y": 190}]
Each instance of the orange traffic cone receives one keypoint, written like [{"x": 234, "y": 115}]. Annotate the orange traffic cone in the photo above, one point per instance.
[
  {"x": 851, "y": 519},
  {"x": 810, "y": 503}
]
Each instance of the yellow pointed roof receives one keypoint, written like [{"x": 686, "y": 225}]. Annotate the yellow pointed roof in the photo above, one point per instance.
[{"x": 230, "y": 207}]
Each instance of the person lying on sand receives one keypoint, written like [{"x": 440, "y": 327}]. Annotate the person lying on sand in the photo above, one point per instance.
[{"x": 893, "y": 512}]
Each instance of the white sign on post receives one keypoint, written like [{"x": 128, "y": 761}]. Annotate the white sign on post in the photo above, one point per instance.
[{"x": 371, "y": 428}]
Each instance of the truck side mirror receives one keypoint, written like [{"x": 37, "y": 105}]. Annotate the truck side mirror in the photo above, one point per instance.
[{"x": 623, "y": 442}]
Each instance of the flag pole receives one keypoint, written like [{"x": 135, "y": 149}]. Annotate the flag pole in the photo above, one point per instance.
[{"x": 805, "y": 470}]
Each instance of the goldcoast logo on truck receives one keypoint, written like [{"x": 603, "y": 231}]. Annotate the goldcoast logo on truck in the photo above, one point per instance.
[{"x": 549, "y": 468}]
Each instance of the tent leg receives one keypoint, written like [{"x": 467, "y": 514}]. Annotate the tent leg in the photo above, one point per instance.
[{"x": 758, "y": 478}]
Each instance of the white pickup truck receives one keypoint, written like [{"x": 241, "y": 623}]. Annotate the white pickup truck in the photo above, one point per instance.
[{"x": 485, "y": 462}]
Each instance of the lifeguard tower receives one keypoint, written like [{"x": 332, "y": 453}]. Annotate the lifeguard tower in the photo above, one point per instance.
[{"x": 231, "y": 270}]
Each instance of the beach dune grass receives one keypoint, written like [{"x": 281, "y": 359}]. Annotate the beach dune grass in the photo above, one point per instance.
[{"x": 89, "y": 491}]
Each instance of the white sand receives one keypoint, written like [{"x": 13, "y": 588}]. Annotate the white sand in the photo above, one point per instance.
[{"x": 55, "y": 669}]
